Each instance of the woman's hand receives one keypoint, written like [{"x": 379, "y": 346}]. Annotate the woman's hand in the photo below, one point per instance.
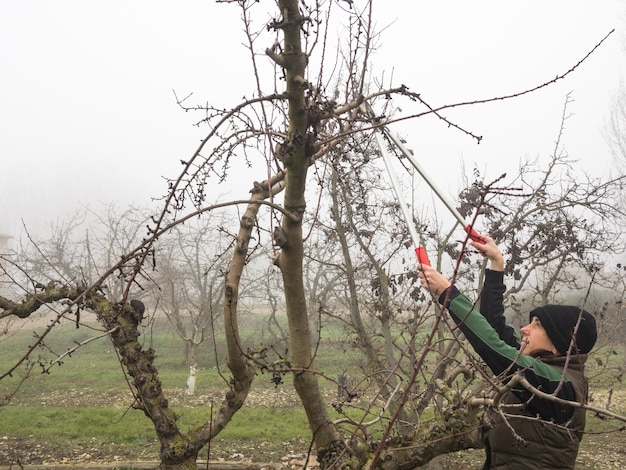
[
  {"x": 432, "y": 280},
  {"x": 488, "y": 248}
]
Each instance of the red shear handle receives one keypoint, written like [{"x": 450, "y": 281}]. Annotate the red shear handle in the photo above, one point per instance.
[
  {"x": 473, "y": 234},
  {"x": 422, "y": 257}
]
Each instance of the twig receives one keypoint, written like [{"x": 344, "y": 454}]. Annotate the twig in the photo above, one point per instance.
[
  {"x": 70, "y": 351},
  {"x": 519, "y": 379}
]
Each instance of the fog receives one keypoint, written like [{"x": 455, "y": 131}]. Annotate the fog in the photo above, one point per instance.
[{"x": 88, "y": 114}]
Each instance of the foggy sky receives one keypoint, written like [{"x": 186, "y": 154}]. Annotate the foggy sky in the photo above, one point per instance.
[{"x": 88, "y": 115}]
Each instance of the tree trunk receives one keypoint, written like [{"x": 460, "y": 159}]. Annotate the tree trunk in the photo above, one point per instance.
[
  {"x": 296, "y": 161},
  {"x": 177, "y": 450},
  {"x": 364, "y": 343},
  {"x": 387, "y": 360}
]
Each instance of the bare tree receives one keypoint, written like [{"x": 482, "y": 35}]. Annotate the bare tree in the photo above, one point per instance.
[
  {"x": 615, "y": 132},
  {"x": 290, "y": 130},
  {"x": 557, "y": 223},
  {"x": 189, "y": 282}
]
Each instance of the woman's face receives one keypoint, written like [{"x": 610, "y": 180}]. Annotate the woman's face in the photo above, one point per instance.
[{"x": 535, "y": 339}]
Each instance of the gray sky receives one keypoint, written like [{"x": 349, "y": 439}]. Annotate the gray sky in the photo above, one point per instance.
[{"x": 87, "y": 112}]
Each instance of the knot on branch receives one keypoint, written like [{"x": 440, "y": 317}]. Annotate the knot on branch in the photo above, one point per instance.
[
  {"x": 247, "y": 222},
  {"x": 303, "y": 83},
  {"x": 230, "y": 292},
  {"x": 328, "y": 456},
  {"x": 296, "y": 211},
  {"x": 261, "y": 187},
  {"x": 284, "y": 150},
  {"x": 139, "y": 309},
  {"x": 280, "y": 240}
]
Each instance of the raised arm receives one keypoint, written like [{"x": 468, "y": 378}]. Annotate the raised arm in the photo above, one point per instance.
[
  {"x": 500, "y": 356},
  {"x": 492, "y": 293}
]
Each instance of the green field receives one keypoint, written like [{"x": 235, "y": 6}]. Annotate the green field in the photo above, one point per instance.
[
  {"x": 81, "y": 410},
  {"x": 86, "y": 400}
]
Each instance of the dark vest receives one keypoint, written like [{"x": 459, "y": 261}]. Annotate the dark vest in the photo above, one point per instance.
[{"x": 543, "y": 445}]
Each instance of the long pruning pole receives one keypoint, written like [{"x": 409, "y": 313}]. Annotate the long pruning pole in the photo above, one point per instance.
[
  {"x": 473, "y": 234},
  {"x": 420, "y": 251}
]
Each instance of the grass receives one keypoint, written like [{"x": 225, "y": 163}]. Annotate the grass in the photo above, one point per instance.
[
  {"x": 120, "y": 426},
  {"x": 78, "y": 424},
  {"x": 259, "y": 423}
]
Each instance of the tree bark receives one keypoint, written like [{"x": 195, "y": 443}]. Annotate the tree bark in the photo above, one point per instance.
[{"x": 296, "y": 160}]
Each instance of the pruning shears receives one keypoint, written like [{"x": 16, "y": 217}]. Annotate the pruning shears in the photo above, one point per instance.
[{"x": 420, "y": 251}]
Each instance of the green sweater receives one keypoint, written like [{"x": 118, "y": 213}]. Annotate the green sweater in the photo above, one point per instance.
[{"x": 498, "y": 345}]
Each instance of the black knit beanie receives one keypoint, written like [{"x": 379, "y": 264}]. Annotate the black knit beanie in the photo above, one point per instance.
[{"x": 559, "y": 322}]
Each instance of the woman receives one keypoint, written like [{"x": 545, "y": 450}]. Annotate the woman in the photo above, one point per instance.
[{"x": 537, "y": 433}]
